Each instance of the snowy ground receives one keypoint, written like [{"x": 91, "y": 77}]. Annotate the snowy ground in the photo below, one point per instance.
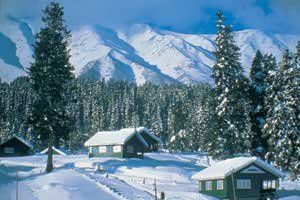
[{"x": 74, "y": 177}]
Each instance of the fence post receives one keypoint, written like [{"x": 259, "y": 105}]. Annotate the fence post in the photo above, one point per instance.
[
  {"x": 17, "y": 186},
  {"x": 155, "y": 189},
  {"x": 233, "y": 185}
]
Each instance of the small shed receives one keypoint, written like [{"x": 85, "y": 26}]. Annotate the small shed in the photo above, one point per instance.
[
  {"x": 125, "y": 143},
  {"x": 242, "y": 178},
  {"x": 15, "y": 146},
  {"x": 55, "y": 151}
]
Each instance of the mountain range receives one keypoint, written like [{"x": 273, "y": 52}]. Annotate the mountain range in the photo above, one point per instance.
[{"x": 139, "y": 53}]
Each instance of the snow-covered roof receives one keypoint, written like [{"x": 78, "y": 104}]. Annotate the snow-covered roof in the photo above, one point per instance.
[
  {"x": 21, "y": 140},
  {"x": 227, "y": 167},
  {"x": 119, "y": 137},
  {"x": 54, "y": 149}
]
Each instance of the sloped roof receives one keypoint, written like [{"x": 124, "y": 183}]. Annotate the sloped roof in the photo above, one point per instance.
[
  {"x": 21, "y": 140},
  {"x": 148, "y": 132},
  {"x": 227, "y": 167},
  {"x": 54, "y": 149},
  {"x": 119, "y": 137}
]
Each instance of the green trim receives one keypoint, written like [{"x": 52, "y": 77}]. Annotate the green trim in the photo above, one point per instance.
[{"x": 95, "y": 151}]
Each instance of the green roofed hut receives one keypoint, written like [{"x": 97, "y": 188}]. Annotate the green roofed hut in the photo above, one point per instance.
[
  {"x": 253, "y": 179},
  {"x": 124, "y": 143},
  {"x": 15, "y": 146}
]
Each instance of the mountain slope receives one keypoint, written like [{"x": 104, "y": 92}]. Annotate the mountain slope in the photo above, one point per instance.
[
  {"x": 138, "y": 53},
  {"x": 173, "y": 55},
  {"x": 16, "y": 39},
  {"x": 98, "y": 53}
]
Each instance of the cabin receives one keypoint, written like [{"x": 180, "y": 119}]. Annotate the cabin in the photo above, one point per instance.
[
  {"x": 55, "y": 151},
  {"x": 124, "y": 143},
  {"x": 242, "y": 178},
  {"x": 15, "y": 146}
]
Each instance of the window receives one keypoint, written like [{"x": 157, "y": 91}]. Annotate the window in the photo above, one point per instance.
[
  {"x": 109, "y": 149},
  {"x": 220, "y": 185},
  {"x": 273, "y": 184},
  {"x": 117, "y": 149},
  {"x": 90, "y": 149},
  {"x": 243, "y": 184},
  {"x": 269, "y": 184},
  {"x": 102, "y": 149},
  {"x": 208, "y": 185},
  {"x": 130, "y": 149},
  {"x": 9, "y": 150},
  {"x": 200, "y": 186}
]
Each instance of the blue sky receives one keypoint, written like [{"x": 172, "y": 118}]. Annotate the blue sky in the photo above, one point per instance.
[{"x": 187, "y": 16}]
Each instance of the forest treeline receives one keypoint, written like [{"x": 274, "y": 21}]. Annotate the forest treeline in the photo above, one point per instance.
[{"x": 111, "y": 105}]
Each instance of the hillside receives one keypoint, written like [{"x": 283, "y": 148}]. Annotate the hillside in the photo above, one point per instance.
[
  {"x": 138, "y": 53},
  {"x": 126, "y": 179}
]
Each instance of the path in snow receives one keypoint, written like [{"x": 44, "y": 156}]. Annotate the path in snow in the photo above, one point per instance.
[
  {"x": 118, "y": 186},
  {"x": 67, "y": 184},
  {"x": 8, "y": 189},
  {"x": 64, "y": 184}
]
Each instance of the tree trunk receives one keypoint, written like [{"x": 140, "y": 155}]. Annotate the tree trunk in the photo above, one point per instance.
[
  {"x": 293, "y": 174},
  {"x": 49, "y": 166}
]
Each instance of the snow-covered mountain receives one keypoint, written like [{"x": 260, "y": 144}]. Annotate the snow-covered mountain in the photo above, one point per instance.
[{"x": 138, "y": 53}]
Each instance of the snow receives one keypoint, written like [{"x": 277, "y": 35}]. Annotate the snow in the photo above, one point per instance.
[
  {"x": 67, "y": 184},
  {"x": 8, "y": 189},
  {"x": 290, "y": 198},
  {"x": 225, "y": 168},
  {"x": 98, "y": 52},
  {"x": 172, "y": 55},
  {"x": 86, "y": 46},
  {"x": 14, "y": 30},
  {"x": 60, "y": 184},
  {"x": 124, "y": 179},
  {"x": 74, "y": 177},
  {"x": 109, "y": 138},
  {"x": 119, "y": 137},
  {"x": 54, "y": 149},
  {"x": 24, "y": 141},
  {"x": 8, "y": 72}
]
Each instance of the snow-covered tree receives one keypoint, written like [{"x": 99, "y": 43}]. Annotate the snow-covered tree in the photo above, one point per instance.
[
  {"x": 3, "y": 108},
  {"x": 176, "y": 122},
  {"x": 233, "y": 134},
  {"x": 199, "y": 123},
  {"x": 258, "y": 85},
  {"x": 270, "y": 65},
  {"x": 283, "y": 123}
]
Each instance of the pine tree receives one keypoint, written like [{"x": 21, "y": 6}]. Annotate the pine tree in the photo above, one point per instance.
[
  {"x": 177, "y": 121},
  {"x": 283, "y": 124},
  {"x": 49, "y": 73},
  {"x": 3, "y": 110},
  {"x": 233, "y": 134},
  {"x": 270, "y": 67},
  {"x": 258, "y": 85}
]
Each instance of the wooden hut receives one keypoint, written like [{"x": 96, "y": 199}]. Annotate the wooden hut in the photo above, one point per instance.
[
  {"x": 242, "y": 178},
  {"x": 15, "y": 146},
  {"x": 125, "y": 143}
]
